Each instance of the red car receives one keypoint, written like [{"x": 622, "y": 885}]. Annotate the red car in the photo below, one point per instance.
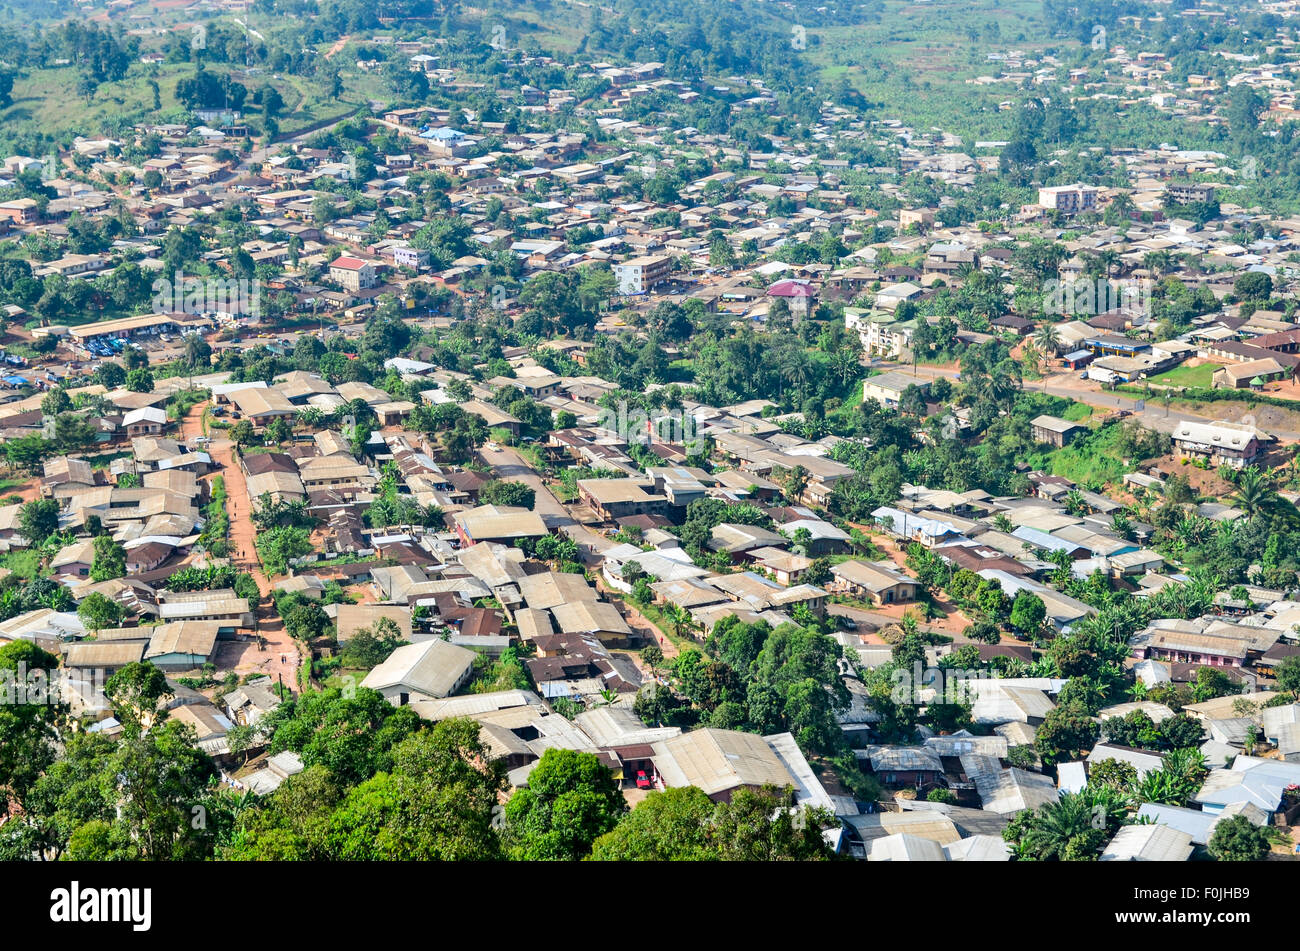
[{"x": 642, "y": 780}]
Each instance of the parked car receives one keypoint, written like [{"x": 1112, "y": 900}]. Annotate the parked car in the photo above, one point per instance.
[{"x": 642, "y": 780}]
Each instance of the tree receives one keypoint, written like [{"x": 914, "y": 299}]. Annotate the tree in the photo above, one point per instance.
[
  {"x": 139, "y": 381},
  {"x": 1028, "y": 612},
  {"x": 439, "y": 802},
  {"x": 683, "y": 824},
  {"x": 1237, "y": 839},
  {"x": 1067, "y": 731},
  {"x": 652, "y": 657},
  {"x": 570, "y": 801},
  {"x": 109, "y": 561},
  {"x": 162, "y": 784},
  {"x": 39, "y": 519},
  {"x": 1253, "y": 285},
  {"x": 97, "y": 611},
  {"x": 668, "y": 826},
  {"x": 133, "y": 358},
  {"x": 55, "y": 402},
  {"x": 1181, "y": 731},
  {"x": 110, "y": 375},
  {"x": 134, "y": 692},
  {"x": 305, "y": 620},
  {"x": 27, "y": 721},
  {"x": 279, "y": 546},
  {"x": 370, "y": 647},
  {"x": 1287, "y": 674},
  {"x": 198, "y": 352},
  {"x": 503, "y": 492},
  {"x": 1255, "y": 492},
  {"x": 241, "y": 739},
  {"x": 1070, "y": 829},
  {"x": 242, "y": 433}
]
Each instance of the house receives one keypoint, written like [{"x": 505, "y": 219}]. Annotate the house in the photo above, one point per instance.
[
  {"x": 878, "y": 582},
  {"x": 1068, "y": 199},
  {"x": 597, "y": 618},
  {"x": 1252, "y": 374},
  {"x": 1282, "y": 729},
  {"x": 493, "y": 523},
  {"x": 146, "y": 421},
  {"x": 888, "y": 388},
  {"x": 278, "y": 768},
  {"x": 181, "y": 645},
  {"x": 108, "y": 656},
  {"x": 1148, "y": 843},
  {"x": 613, "y": 499},
  {"x": 210, "y": 725},
  {"x": 261, "y": 405},
  {"x": 1054, "y": 431},
  {"x": 429, "y": 670},
  {"x": 1250, "y": 779},
  {"x": 351, "y": 618},
  {"x": 903, "y": 765},
  {"x": 927, "y": 531},
  {"x": 799, "y": 294},
  {"x": 1221, "y": 443},
  {"x": 247, "y": 705},
  {"x": 719, "y": 762},
  {"x": 230, "y": 612},
  {"x": 74, "y": 560}
]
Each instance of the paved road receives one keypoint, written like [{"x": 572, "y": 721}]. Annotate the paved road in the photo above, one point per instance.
[{"x": 506, "y": 463}]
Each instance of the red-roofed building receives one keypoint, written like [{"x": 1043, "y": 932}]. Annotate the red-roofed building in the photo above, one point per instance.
[
  {"x": 800, "y": 295},
  {"x": 352, "y": 273}
]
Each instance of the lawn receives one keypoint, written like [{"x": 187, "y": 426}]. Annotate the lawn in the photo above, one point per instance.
[
  {"x": 1199, "y": 376},
  {"x": 1078, "y": 413}
]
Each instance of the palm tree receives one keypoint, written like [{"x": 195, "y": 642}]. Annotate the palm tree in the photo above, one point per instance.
[
  {"x": 1157, "y": 262},
  {"x": 1255, "y": 492},
  {"x": 1074, "y": 503},
  {"x": 1056, "y": 825},
  {"x": 1005, "y": 382},
  {"x": 1048, "y": 338}
]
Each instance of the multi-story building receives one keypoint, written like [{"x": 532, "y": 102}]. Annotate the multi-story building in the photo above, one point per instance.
[
  {"x": 352, "y": 273},
  {"x": 882, "y": 334},
  {"x": 1220, "y": 443},
  {"x": 1068, "y": 199},
  {"x": 638, "y": 275}
]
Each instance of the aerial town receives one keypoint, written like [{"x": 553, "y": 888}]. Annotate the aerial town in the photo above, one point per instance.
[{"x": 447, "y": 434}]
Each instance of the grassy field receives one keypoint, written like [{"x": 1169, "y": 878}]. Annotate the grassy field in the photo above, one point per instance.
[
  {"x": 1201, "y": 376},
  {"x": 916, "y": 59},
  {"x": 1091, "y": 460}
]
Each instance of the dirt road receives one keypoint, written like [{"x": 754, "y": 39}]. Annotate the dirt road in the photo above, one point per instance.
[{"x": 279, "y": 659}]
